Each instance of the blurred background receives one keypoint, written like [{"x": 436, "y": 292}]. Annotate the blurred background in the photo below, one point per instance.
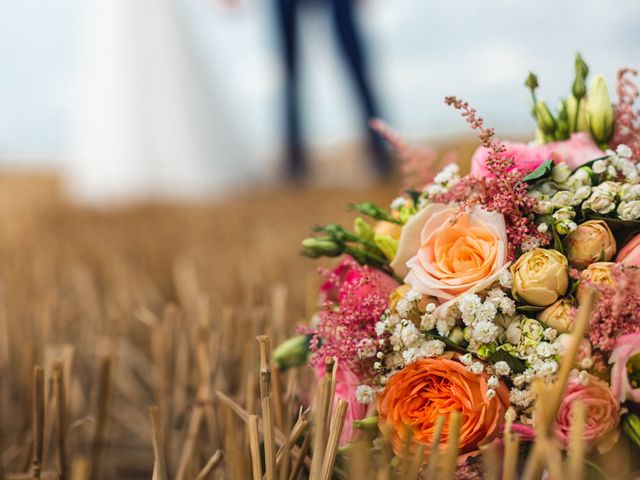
[{"x": 183, "y": 98}]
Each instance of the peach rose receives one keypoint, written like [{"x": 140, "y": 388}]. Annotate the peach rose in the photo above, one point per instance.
[
  {"x": 602, "y": 413},
  {"x": 447, "y": 256},
  {"x": 558, "y": 315},
  {"x": 418, "y": 394},
  {"x": 590, "y": 242},
  {"x": 630, "y": 253},
  {"x": 598, "y": 273}
]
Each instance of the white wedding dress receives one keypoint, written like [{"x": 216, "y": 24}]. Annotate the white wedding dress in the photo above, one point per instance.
[{"x": 147, "y": 125}]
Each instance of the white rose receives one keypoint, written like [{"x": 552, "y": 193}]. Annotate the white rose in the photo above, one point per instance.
[
  {"x": 624, "y": 151},
  {"x": 629, "y": 210},
  {"x": 609, "y": 187},
  {"x": 600, "y": 166}
]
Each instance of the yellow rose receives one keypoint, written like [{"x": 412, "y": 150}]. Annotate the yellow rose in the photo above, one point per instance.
[
  {"x": 540, "y": 277},
  {"x": 388, "y": 228},
  {"x": 599, "y": 272},
  {"x": 590, "y": 242},
  {"x": 558, "y": 315}
]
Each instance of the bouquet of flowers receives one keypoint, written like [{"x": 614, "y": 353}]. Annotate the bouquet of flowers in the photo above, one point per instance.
[{"x": 463, "y": 294}]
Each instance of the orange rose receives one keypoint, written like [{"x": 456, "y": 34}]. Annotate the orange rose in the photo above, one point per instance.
[
  {"x": 457, "y": 256},
  {"x": 417, "y": 395}
]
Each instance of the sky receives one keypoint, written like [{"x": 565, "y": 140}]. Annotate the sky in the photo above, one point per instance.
[{"x": 420, "y": 51}]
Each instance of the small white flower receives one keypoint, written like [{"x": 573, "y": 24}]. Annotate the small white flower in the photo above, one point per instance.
[
  {"x": 600, "y": 202},
  {"x": 506, "y": 279},
  {"x": 476, "y": 367},
  {"x": 624, "y": 151},
  {"x": 431, "y": 307},
  {"x": 428, "y": 321},
  {"x": 543, "y": 228},
  {"x": 519, "y": 380},
  {"x": 564, "y": 213},
  {"x": 521, "y": 398},
  {"x": 502, "y": 368},
  {"x": 543, "y": 207},
  {"x": 600, "y": 166},
  {"x": 443, "y": 327},
  {"x": 466, "y": 359},
  {"x": 583, "y": 377},
  {"x": 412, "y": 296},
  {"x": 380, "y": 327},
  {"x": 491, "y": 393},
  {"x": 586, "y": 363},
  {"x": 398, "y": 203},
  {"x": 469, "y": 304},
  {"x": 404, "y": 306},
  {"x": 629, "y": 191},
  {"x": 507, "y": 306},
  {"x": 550, "y": 333},
  {"x": 377, "y": 366},
  {"x": 581, "y": 194},
  {"x": 544, "y": 349},
  {"x": 365, "y": 394},
  {"x": 380, "y": 355},
  {"x": 487, "y": 312},
  {"x": 493, "y": 382},
  {"x": 410, "y": 334},
  {"x": 410, "y": 355},
  {"x": 432, "y": 348},
  {"x": 530, "y": 243},
  {"x": 484, "y": 331},
  {"x": 366, "y": 348}
]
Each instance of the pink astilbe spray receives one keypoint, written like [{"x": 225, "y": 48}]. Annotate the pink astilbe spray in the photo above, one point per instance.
[
  {"x": 416, "y": 162},
  {"x": 504, "y": 192},
  {"x": 627, "y": 113},
  {"x": 617, "y": 311},
  {"x": 347, "y": 320}
]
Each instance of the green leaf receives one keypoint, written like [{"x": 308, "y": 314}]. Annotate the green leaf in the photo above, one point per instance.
[
  {"x": 529, "y": 308},
  {"x": 372, "y": 210},
  {"x": 414, "y": 194},
  {"x": 617, "y": 223},
  {"x": 543, "y": 169},
  {"x": 557, "y": 242},
  {"x": 514, "y": 363}
]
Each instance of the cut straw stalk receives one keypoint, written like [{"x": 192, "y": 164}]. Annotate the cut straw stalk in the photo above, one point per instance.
[
  {"x": 333, "y": 443},
  {"x": 434, "y": 454},
  {"x": 325, "y": 395},
  {"x": 450, "y": 458},
  {"x": 267, "y": 412},
  {"x": 160, "y": 459},
  {"x": 61, "y": 414},
  {"x": 575, "y": 460},
  {"x": 254, "y": 447},
  {"x": 210, "y": 466},
  {"x": 38, "y": 421},
  {"x": 101, "y": 402}
]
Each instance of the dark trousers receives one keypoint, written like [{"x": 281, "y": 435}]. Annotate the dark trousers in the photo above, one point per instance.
[{"x": 348, "y": 39}]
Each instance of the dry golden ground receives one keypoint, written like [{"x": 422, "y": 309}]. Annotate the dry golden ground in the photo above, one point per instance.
[{"x": 138, "y": 304}]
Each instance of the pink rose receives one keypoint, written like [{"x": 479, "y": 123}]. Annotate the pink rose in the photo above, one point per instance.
[
  {"x": 626, "y": 347},
  {"x": 630, "y": 253},
  {"x": 346, "y": 384},
  {"x": 602, "y": 413},
  {"x": 576, "y": 151},
  {"x": 448, "y": 253},
  {"x": 527, "y": 158},
  {"x": 349, "y": 272}
]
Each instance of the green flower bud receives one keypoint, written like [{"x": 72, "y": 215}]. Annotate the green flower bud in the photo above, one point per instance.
[
  {"x": 467, "y": 333},
  {"x": 369, "y": 424},
  {"x": 563, "y": 130},
  {"x": 579, "y": 87},
  {"x": 532, "y": 81},
  {"x": 322, "y": 246},
  {"x": 363, "y": 229},
  {"x": 631, "y": 426},
  {"x": 565, "y": 226},
  {"x": 387, "y": 245},
  {"x": 546, "y": 122},
  {"x": 582, "y": 69},
  {"x": 577, "y": 114},
  {"x": 599, "y": 111},
  {"x": 293, "y": 352}
]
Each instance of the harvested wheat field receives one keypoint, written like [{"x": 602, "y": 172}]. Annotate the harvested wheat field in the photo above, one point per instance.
[{"x": 148, "y": 305}]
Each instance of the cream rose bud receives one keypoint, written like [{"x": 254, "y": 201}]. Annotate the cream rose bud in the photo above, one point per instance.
[
  {"x": 600, "y": 202},
  {"x": 564, "y": 213},
  {"x": 629, "y": 210},
  {"x": 629, "y": 191},
  {"x": 609, "y": 187},
  {"x": 560, "y": 172},
  {"x": 558, "y": 315},
  {"x": 590, "y": 242},
  {"x": 581, "y": 194},
  {"x": 543, "y": 207},
  {"x": 563, "y": 198},
  {"x": 540, "y": 277}
]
